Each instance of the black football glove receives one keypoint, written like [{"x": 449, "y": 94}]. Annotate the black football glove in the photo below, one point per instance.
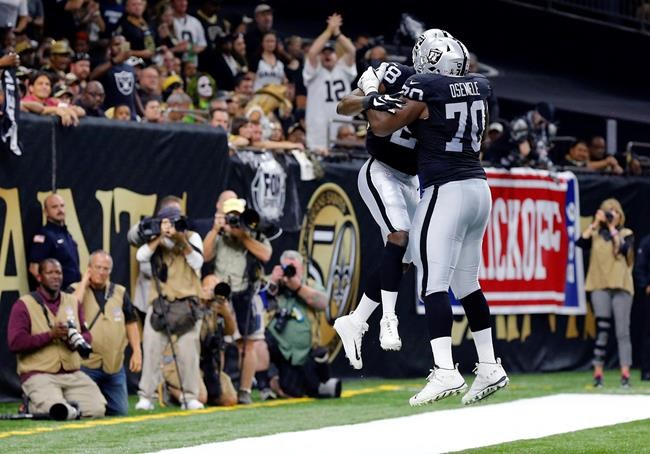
[{"x": 383, "y": 103}]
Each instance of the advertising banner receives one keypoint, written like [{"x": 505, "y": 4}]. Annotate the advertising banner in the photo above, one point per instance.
[{"x": 530, "y": 264}]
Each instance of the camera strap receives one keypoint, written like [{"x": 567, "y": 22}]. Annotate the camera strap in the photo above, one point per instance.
[
  {"x": 102, "y": 307},
  {"x": 39, "y": 299}
]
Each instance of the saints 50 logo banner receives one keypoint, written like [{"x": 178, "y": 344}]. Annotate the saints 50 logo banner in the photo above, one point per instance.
[
  {"x": 330, "y": 243},
  {"x": 530, "y": 263}
]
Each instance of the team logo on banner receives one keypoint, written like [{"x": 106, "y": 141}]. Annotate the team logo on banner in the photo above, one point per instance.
[
  {"x": 330, "y": 243},
  {"x": 268, "y": 189}
]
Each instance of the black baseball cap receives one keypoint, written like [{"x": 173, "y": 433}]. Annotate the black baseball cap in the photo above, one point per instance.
[
  {"x": 329, "y": 45},
  {"x": 80, "y": 56}
]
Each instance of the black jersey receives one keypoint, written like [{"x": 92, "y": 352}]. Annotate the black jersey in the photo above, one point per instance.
[
  {"x": 449, "y": 140},
  {"x": 398, "y": 149}
]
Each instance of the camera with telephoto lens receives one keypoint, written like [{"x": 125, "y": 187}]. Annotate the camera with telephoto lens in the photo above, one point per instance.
[
  {"x": 282, "y": 316},
  {"x": 77, "y": 342},
  {"x": 289, "y": 271},
  {"x": 609, "y": 216},
  {"x": 249, "y": 219}
]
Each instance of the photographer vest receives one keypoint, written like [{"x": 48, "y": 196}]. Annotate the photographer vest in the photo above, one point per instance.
[
  {"x": 182, "y": 281},
  {"x": 230, "y": 261},
  {"x": 108, "y": 330},
  {"x": 606, "y": 270},
  {"x": 56, "y": 355}
]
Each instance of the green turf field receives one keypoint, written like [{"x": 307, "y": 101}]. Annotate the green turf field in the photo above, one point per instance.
[{"x": 364, "y": 400}]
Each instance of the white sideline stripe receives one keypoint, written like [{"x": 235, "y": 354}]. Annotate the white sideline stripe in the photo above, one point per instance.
[{"x": 451, "y": 430}]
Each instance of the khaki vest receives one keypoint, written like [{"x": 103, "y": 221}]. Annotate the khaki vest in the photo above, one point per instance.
[
  {"x": 182, "y": 280},
  {"x": 109, "y": 330},
  {"x": 230, "y": 261},
  {"x": 56, "y": 355},
  {"x": 607, "y": 271}
]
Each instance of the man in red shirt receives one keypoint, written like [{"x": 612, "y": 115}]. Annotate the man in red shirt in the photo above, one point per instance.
[{"x": 48, "y": 364}]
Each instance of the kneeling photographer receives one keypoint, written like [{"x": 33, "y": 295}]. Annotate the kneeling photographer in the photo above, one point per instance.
[
  {"x": 173, "y": 316},
  {"x": 218, "y": 321},
  {"x": 47, "y": 331},
  {"x": 238, "y": 249},
  {"x": 292, "y": 334}
]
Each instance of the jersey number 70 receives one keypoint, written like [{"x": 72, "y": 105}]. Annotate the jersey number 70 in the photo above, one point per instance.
[{"x": 477, "y": 124}]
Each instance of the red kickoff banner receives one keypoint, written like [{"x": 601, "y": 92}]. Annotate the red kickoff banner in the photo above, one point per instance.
[{"x": 530, "y": 263}]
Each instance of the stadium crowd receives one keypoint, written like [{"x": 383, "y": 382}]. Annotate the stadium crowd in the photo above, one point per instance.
[{"x": 164, "y": 61}]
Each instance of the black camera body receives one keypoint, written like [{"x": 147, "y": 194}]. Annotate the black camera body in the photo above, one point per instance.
[
  {"x": 289, "y": 271},
  {"x": 77, "y": 342},
  {"x": 233, "y": 220},
  {"x": 609, "y": 216},
  {"x": 222, "y": 291},
  {"x": 149, "y": 228}
]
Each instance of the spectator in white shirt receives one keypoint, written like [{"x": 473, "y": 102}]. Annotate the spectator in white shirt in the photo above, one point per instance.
[
  {"x": 327, "y": 78},
  {"x": 269, "y": 69},
  {"x": 188, "y": 28}
]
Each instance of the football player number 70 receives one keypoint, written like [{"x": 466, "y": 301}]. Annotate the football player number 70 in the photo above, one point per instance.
[{"x": 477, "y": 126}]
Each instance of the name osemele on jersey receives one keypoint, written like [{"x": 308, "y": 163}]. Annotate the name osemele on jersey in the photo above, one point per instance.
[{"x": 449, "y": 139}]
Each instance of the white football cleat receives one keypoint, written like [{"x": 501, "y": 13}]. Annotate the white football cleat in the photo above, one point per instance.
[
  {"x": 144, "y": 404},
  {"x": 388, "y": 334},
  {"x": 351, "y": 332},
  {"x": 490, "y": 377},
  {"x": 441, "y": 383},
  {"x": 192, "y": 404}
]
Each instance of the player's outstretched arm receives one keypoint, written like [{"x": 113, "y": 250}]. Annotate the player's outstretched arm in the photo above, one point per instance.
[
  {"x": 385, "y": 123},
  {"x": 351, "y": 104}
]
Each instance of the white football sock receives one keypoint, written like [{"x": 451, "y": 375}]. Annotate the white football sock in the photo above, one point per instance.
[
  {"x": 441, "y": 348},
  {"x": 388, "y": 302},
  {"x": 484, "y": 346},
  {"x": 365, "y": 309}
]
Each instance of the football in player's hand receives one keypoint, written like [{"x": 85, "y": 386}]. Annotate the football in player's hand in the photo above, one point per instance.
[{"x": 369, "y": 81}]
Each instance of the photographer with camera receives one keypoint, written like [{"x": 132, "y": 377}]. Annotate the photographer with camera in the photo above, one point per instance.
[
  {"x": 609, "y": 279},
  {"x": 112, "y": 320},
  {"x": 218, "y": 321},
  {"x": 176, "y": 257},
  {"x": 238, "y": 251},
  {"x": 141, "y": 233},
  {"x": 293, "y": 332},
  {"x": 43, "y": 332}
]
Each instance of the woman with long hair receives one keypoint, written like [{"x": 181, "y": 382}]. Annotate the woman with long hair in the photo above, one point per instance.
[
  {"x": 609, "y": 279},
  {"x": 269, "y": 69}
]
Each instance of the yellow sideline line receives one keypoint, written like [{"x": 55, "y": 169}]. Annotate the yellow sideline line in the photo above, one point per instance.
[{"x": 173, "y": 414}]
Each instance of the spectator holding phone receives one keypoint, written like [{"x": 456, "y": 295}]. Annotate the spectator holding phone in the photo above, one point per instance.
[{"x": 609, "y": 279}]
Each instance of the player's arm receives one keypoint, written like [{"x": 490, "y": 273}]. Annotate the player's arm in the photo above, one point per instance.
[
  {"x": 351, "y": 104},
  {"x": 385, "y": 123}
]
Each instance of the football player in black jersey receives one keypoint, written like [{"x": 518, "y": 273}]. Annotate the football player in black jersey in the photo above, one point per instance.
[
  {"x": 388, "y": 184},
  {"x": 446, "y": 110}
]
